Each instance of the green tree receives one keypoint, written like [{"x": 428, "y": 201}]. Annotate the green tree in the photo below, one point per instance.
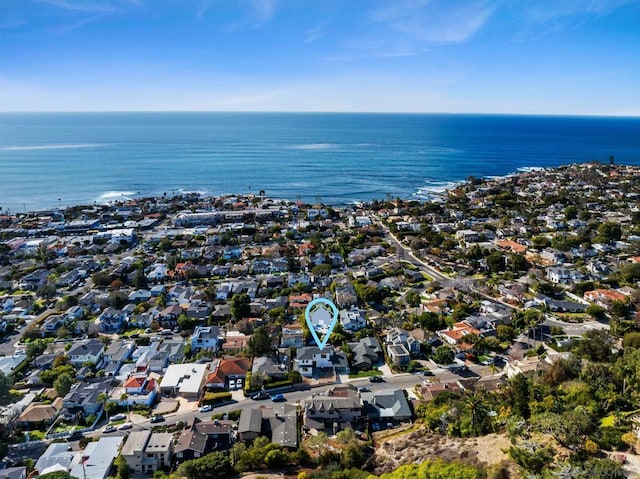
[
  {"x": 63, "y": 384},
  {"x": 260, "y": 343},
  {"x": 5, "y": 386},
  {"x": 122, "y": 467},
  {"x": 443, "y": 355},
  {"x": 186, "y": 323},
  {"x": 518, "y": 393},
  {"x": 57, "y": 475},
  {"x": 240, "y": 306},
  {"x": 608, "y": 231},
  {"x": 495, "y": 262},
  {"x": 211, "y": 466},
  {"x": 413, "y": 299},
  {"x": 140, "y": 279},
  {"x": 321, "y": 270}
]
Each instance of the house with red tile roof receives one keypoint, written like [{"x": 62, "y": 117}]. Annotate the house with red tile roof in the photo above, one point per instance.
[
  {"x": 604, "y": 297},
  {"x": 299, "y": 301},
  {"x": 228, "y": 372},
  {"x": 457, "y": 332}
]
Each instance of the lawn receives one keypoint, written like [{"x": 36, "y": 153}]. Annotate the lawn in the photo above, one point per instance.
[
  {"x": 366, "y": 374},
  {"x": 34, "y": 435}
]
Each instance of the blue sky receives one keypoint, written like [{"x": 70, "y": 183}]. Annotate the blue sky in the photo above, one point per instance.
[{"x": 501, "y": 56}]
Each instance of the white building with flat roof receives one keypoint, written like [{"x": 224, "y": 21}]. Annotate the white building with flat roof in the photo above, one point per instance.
[{"x": 184, "y": 380}]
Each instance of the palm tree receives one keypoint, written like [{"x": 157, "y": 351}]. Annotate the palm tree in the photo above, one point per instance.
[
  {"x": 476, "y": 407},
  {"x": 102, "y": 399}
]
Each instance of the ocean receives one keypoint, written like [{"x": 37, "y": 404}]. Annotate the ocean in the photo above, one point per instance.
[{"x": 64, "y": 159}]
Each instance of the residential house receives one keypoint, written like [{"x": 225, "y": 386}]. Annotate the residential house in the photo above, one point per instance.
[
  {"x": 292, "y": 336},
  {"x": 34, "y": 280},
  {"x": 339, "y": 408},
  {"x": 53, "y": 323},
  {"x": 387, "y": 406},
  {"x": 185, "y": 380},
  {"x": 456, "y": 333},
  {"x": 278, "y": 422},
  {"x": 353, "y": 319},
  {"x": 528, "y": 367},
  {"x": 564, "y": 276},
  {"x": 270, "y": 367},
  {"x": 366, "y": 353},
  {"x": 201, "y": 437},
  {"x": 172, "y": 350},
  {"x": 57, "y": 457},
  {"x": 90, "y": 351},
  {"x": 205, "y": 337},
  {"x": 111, "y": 320},
  {"x": 228, "y": 372},
  {"x": 398, "y": 354},
  {"x": 138, "y": 388},
  {"x": 431, "y": 391},
  {"x": 116, "y": 353},
  {"x": 37, "y": 415},
  {"x": 139, "y": 296},
  {"x": 399, "y": 336},
  {"x": 147, "y": 451},
  {"x": 168, "y": 317},
  {"x": 604, "y": 297},
  {"x": 299, "y": 301},
  {"x": 312, "y": 361},
  {"x": 85, "y": 398},
  {"x": 234, "y": 342},
  {"x": 98, "y": 457},
  {"x": 346, "y": 296}
]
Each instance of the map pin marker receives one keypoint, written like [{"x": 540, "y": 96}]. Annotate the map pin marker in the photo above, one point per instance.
[{"x": 321, "y": 315}]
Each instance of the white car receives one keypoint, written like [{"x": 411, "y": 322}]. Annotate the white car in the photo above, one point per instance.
[
  {"x": 125, "y": 426},
  {"x": 206, "y": 408},
  {"x": 117, "y": 417},
  {"x": 109, "y": 428}
]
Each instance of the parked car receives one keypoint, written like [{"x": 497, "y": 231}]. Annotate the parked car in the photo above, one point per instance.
[
  {"x": 74, "y": 435},
  {"x": 260, "y": 396},
  {"x": 125, "y": 426},
  {"x": 427, "y": 372},
  {"x": 363, "y": 389},
  {"x": 157, "y": 418},
  {"x": 206, "y": 408},
  {"x": 278, "y": 398},
  {"x": 109, "y": 428},
  {"x": 376, "y": 379},
  {"x": 117, "y": 417}
]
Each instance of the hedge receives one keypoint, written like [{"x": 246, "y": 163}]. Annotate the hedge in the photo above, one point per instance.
[{"x": 210, "y": 398}]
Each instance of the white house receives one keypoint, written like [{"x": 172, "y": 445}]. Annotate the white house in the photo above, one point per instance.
[
  {"x": 353, "y": 319},
  {"x": 205, "y": 337}
]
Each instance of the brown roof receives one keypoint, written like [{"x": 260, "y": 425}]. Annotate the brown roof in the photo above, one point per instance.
[{"x": 38, "y": 412}]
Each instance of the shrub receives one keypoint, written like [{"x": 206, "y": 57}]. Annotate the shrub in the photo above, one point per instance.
[{"x": 212, "y": 398}]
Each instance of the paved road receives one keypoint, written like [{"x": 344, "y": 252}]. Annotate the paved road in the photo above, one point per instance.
[{"x": 403, "y": 381}]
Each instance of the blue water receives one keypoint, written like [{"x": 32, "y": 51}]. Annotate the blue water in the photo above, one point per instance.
[{"x": 65, "y": 159}]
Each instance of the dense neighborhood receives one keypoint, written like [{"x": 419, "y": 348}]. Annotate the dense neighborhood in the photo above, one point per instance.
[{"x": 143, "y": 336}]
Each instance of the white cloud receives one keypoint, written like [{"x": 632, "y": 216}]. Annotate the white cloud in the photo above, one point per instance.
[
  {"x": 80, "y": 6},
  {"x": 203, "y": 6},
  {"x": 435, "y": 22},
  {"x": 257, "y": 13},
  {"x": 315, "y": 33}
]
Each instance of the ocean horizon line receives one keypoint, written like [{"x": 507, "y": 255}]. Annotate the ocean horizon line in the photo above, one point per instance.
[{"x": 327, "y": 112}]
